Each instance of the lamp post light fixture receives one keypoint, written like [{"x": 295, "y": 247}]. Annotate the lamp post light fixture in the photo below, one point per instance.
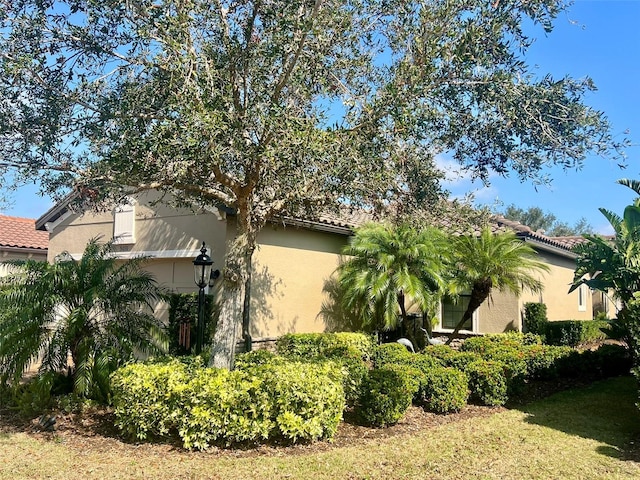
[{"x": 203, "y": 277}]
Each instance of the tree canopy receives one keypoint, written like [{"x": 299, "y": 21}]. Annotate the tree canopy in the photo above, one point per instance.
[
  {"x": 537, "y": 219},
  {"x": 273, "y": 107}
]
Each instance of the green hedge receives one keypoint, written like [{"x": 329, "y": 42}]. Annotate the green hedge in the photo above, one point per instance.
[
  {"x": 391, "y": 353},
  {"x": 386, "y": 394},
  {"x": 349, "y": 349},
  {"x": 450, "y": 357},
  {"x": 292, "y": 401},
  {"x": 535, "y": 318},
  {"x": 444, "y": 390},
  {"x": 574, "y": 332},
  {"x": 305, "y": 345},
  {"x": 487, "y": 382}
]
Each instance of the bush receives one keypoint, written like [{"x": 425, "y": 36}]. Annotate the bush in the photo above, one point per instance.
[
  {"x": 491, "y": 341},
  {"x": 255, "y": 358},
  {"x": 535, "y": 318},
  {"x": 385, "y": 396},
  {"x": 487, "y": 382},
  {"x": 574, "y": 332},
  {"x": 308, "y": 399},
  {"x": 292, "y": 401},
  {"x": 613, "y": 360},
  {"x": 444, "y": 390},
  {"x": 305, "y": 345},
  {"x": 543, "y": 361},
  {"x": 450, "y": 357},
  {"x": 391, "y": 353},
  {"x": 146, "y": 397},
  {"x": 217, "y": 405}
]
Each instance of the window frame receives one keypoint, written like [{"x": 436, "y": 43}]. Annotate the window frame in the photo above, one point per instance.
[{"x": 474, "y": 318}]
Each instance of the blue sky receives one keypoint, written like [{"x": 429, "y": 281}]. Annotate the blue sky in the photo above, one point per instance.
[
  {"x": 596, "y": 38},
  {"x": 599, "y": 39}
]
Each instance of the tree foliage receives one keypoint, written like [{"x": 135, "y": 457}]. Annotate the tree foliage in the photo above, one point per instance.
[
  {"x": 389, "y": 268},
  {"x": 536, "y": 219},
  {"x": 612, "y": 265},
  {"x": 95, "y": 311},
  {"x": 492, "y": 261},
  {"x": 273, "y": 107}
]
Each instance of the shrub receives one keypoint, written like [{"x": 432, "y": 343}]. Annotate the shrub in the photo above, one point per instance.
[
  {"x": 145, "y": 397},
  {"x": 543, "y": 361},
  {"x": 450, "y": 357},
  {"x": 391, "y": 353},
  {"x": 254, "y": 358},
  {"x": 292, "y": 401},
  {"x": 444, "y": 390},
  {"x": 535, "y": 318},
  {"x": 487, "y": 382},
  {"x": 574, "y": 332},
  {"x": 308, "y": 399},
  {"x": 219, "y": 405},
  {"x": 305, "y": 345},
  {"x": 613, "y": 360},
  {"x": 491, "y": 341},
  {"x": 385, "y": 396}
]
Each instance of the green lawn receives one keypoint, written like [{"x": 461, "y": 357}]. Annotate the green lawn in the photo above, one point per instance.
[{"x": 583, "y": 434}]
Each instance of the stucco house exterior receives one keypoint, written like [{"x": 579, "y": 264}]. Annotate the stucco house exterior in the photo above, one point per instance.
[
  {"x": 294, "y": 259},
  {"x": 19, "y": 240}
]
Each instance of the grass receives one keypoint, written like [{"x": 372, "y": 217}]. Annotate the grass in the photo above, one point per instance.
[{"x": 584, "y": 433}]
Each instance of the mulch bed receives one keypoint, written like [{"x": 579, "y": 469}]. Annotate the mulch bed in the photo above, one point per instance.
[{"x": 94, "y": 429}]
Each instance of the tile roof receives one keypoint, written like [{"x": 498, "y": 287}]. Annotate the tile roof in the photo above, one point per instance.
[
  {"x": 350, "y": 218},
  {"x": 18, "y": 232}
]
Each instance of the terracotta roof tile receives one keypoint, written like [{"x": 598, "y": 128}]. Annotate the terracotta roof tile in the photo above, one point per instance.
[{"x": 21, "y": 233}]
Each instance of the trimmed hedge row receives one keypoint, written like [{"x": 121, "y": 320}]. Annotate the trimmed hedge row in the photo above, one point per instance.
[
  {"x": 287, "y": 400},
  {"x": 574, "y": 332},
  {"x": 306, "y": 345},
  {"x": 272, "y": 396}
]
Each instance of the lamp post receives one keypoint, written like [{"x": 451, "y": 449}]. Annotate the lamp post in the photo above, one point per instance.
[{"x": 202, "y": 270}]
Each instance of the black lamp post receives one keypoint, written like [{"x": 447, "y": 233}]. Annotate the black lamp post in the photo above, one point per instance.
[{"x": 202, "y": 270}]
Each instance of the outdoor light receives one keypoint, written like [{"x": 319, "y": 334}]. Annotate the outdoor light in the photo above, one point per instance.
[{"x": 203, "y": 277}]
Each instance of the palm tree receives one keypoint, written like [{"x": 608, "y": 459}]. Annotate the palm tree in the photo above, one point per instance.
[
  {"x": 95, "y": 311},
  {"x": 492, "y": 260},
  {"x": 388, "y": 267},
  {"x": 612, "y": 265}
]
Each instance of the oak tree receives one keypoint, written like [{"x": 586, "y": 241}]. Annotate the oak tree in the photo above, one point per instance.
[{"x": 277, "y": 107}]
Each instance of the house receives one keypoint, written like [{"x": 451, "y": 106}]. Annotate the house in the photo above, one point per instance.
[
  {"x": 294, "y": 259},
  {"x": 19, "y": 240}
]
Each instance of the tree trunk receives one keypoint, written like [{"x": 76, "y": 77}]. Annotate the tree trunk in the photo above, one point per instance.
[
  {"x": 235, "y": 275},
  {"x": 479, "y": 293}
]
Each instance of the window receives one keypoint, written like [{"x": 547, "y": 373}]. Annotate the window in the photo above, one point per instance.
[
  {"x": 582, "y": 298},
  {"x": 124, "y": 224},
  {"x": 451, "y": 313}
]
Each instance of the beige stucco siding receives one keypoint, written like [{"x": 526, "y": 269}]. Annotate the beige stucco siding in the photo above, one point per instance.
[
  {"x": 500, "y": 314},
  {"x": 290, "y": 268},
  {"x": 73, "y": 233},
  {"x": 8, "y": 255},
  {"x": 159, "y": 231},
  {"x": 561, "y": 305}
]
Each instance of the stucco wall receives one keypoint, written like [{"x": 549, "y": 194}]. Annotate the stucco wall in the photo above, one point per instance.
[
  {"x": 500, "y": 314},
  {"x": 175, "y": 232},
  {"x": 6, "y": 255},
  {"x": 561, "y": 305},
  {"x": 290, "y": 269}
]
